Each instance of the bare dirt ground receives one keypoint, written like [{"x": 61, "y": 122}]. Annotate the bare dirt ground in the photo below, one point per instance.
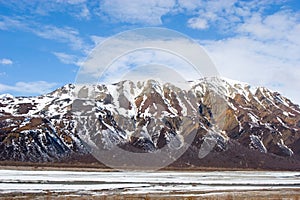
[{"x": 102, "y": 168}]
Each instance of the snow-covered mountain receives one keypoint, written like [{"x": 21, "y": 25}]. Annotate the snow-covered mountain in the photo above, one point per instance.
[{"x": 249, "y": 126}]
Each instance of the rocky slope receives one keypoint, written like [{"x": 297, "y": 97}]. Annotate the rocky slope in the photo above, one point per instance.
[{"x": 222, "y": 123}]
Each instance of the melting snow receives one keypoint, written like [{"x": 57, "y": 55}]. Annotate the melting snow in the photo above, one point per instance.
[
  {"x": 108, "y": 183},
  {"x": 284, "y": 147},
  {"x": 258, "y": 144},
  {"x": 253, "y": 119}
]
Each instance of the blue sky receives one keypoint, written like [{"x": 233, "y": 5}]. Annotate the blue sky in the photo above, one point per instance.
[{"x": 43, "y": 43}]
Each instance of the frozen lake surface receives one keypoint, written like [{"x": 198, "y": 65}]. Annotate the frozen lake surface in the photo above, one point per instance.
[{"x": 133, "y": 183}]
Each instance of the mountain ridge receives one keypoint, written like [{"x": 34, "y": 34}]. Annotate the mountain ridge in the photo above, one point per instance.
[{"x": 149, "y": 115}]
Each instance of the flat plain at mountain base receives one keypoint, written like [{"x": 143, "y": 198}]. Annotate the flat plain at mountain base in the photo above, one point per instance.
[{"x": 53, "y": 184}]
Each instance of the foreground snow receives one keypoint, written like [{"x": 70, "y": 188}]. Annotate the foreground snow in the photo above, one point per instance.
[{"x": 124, "y": 183}]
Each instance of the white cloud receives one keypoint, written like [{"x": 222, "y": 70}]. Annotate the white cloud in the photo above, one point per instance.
[
  {"x": 282, "y": 25},
  {"x": 75, "y": 8},
  {"x": 189, "y": 5},
  {"x": 6, "y": 61},
  {"x": 263, "y": 48},
  {"x": 221, "y": 14},
  {"x": 208, "y": 13},
  {"x": 115, "y": 56},
  {"x": 65, "y": 58},
  {"x": 28, "y": 88},
  {"x": 85, "y": 12},
  {"x": 264, "y": 52},
  {"x": 11, "y": 23},
  {"x": 68, "y": 58},
  {"x": 197, "y": 23},
  {"x": 66, "y": 35},
  {"x": 72, "y": 2},
  {"x": 136, "y": 11},
  {"x": 151, "y": 64},
  {"x": 97, "y": 39}
]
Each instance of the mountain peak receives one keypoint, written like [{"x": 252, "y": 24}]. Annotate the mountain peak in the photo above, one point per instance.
[{"x": 2, "y": 96}]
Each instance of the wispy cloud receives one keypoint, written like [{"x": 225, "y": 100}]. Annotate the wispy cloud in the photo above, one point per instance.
[
  {"x": 281, "y": 25},
  {"x": 75, "y": 8},
  {"x": 224, "y": 15},
  {"x": 84, "y": 13},
  {"x": 66, "y": 35},
  {"x": 6, "y": 61},
  {"x": 197, "y": 23},
  {"x": 67, "y": 58},
  {"x": 115, "y": 57},
  {"x": 28, "y": 88},
  {"x": 258, "y": 40},
  {"x": 7, "y": 23},
  {"x": 265, "y": 51},
  {"x": 135, "y": 11},
  {"x": 97, "y": 39}
]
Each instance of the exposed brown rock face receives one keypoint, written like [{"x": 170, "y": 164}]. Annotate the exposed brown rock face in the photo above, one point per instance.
[{"x": 147, "y": 116}]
